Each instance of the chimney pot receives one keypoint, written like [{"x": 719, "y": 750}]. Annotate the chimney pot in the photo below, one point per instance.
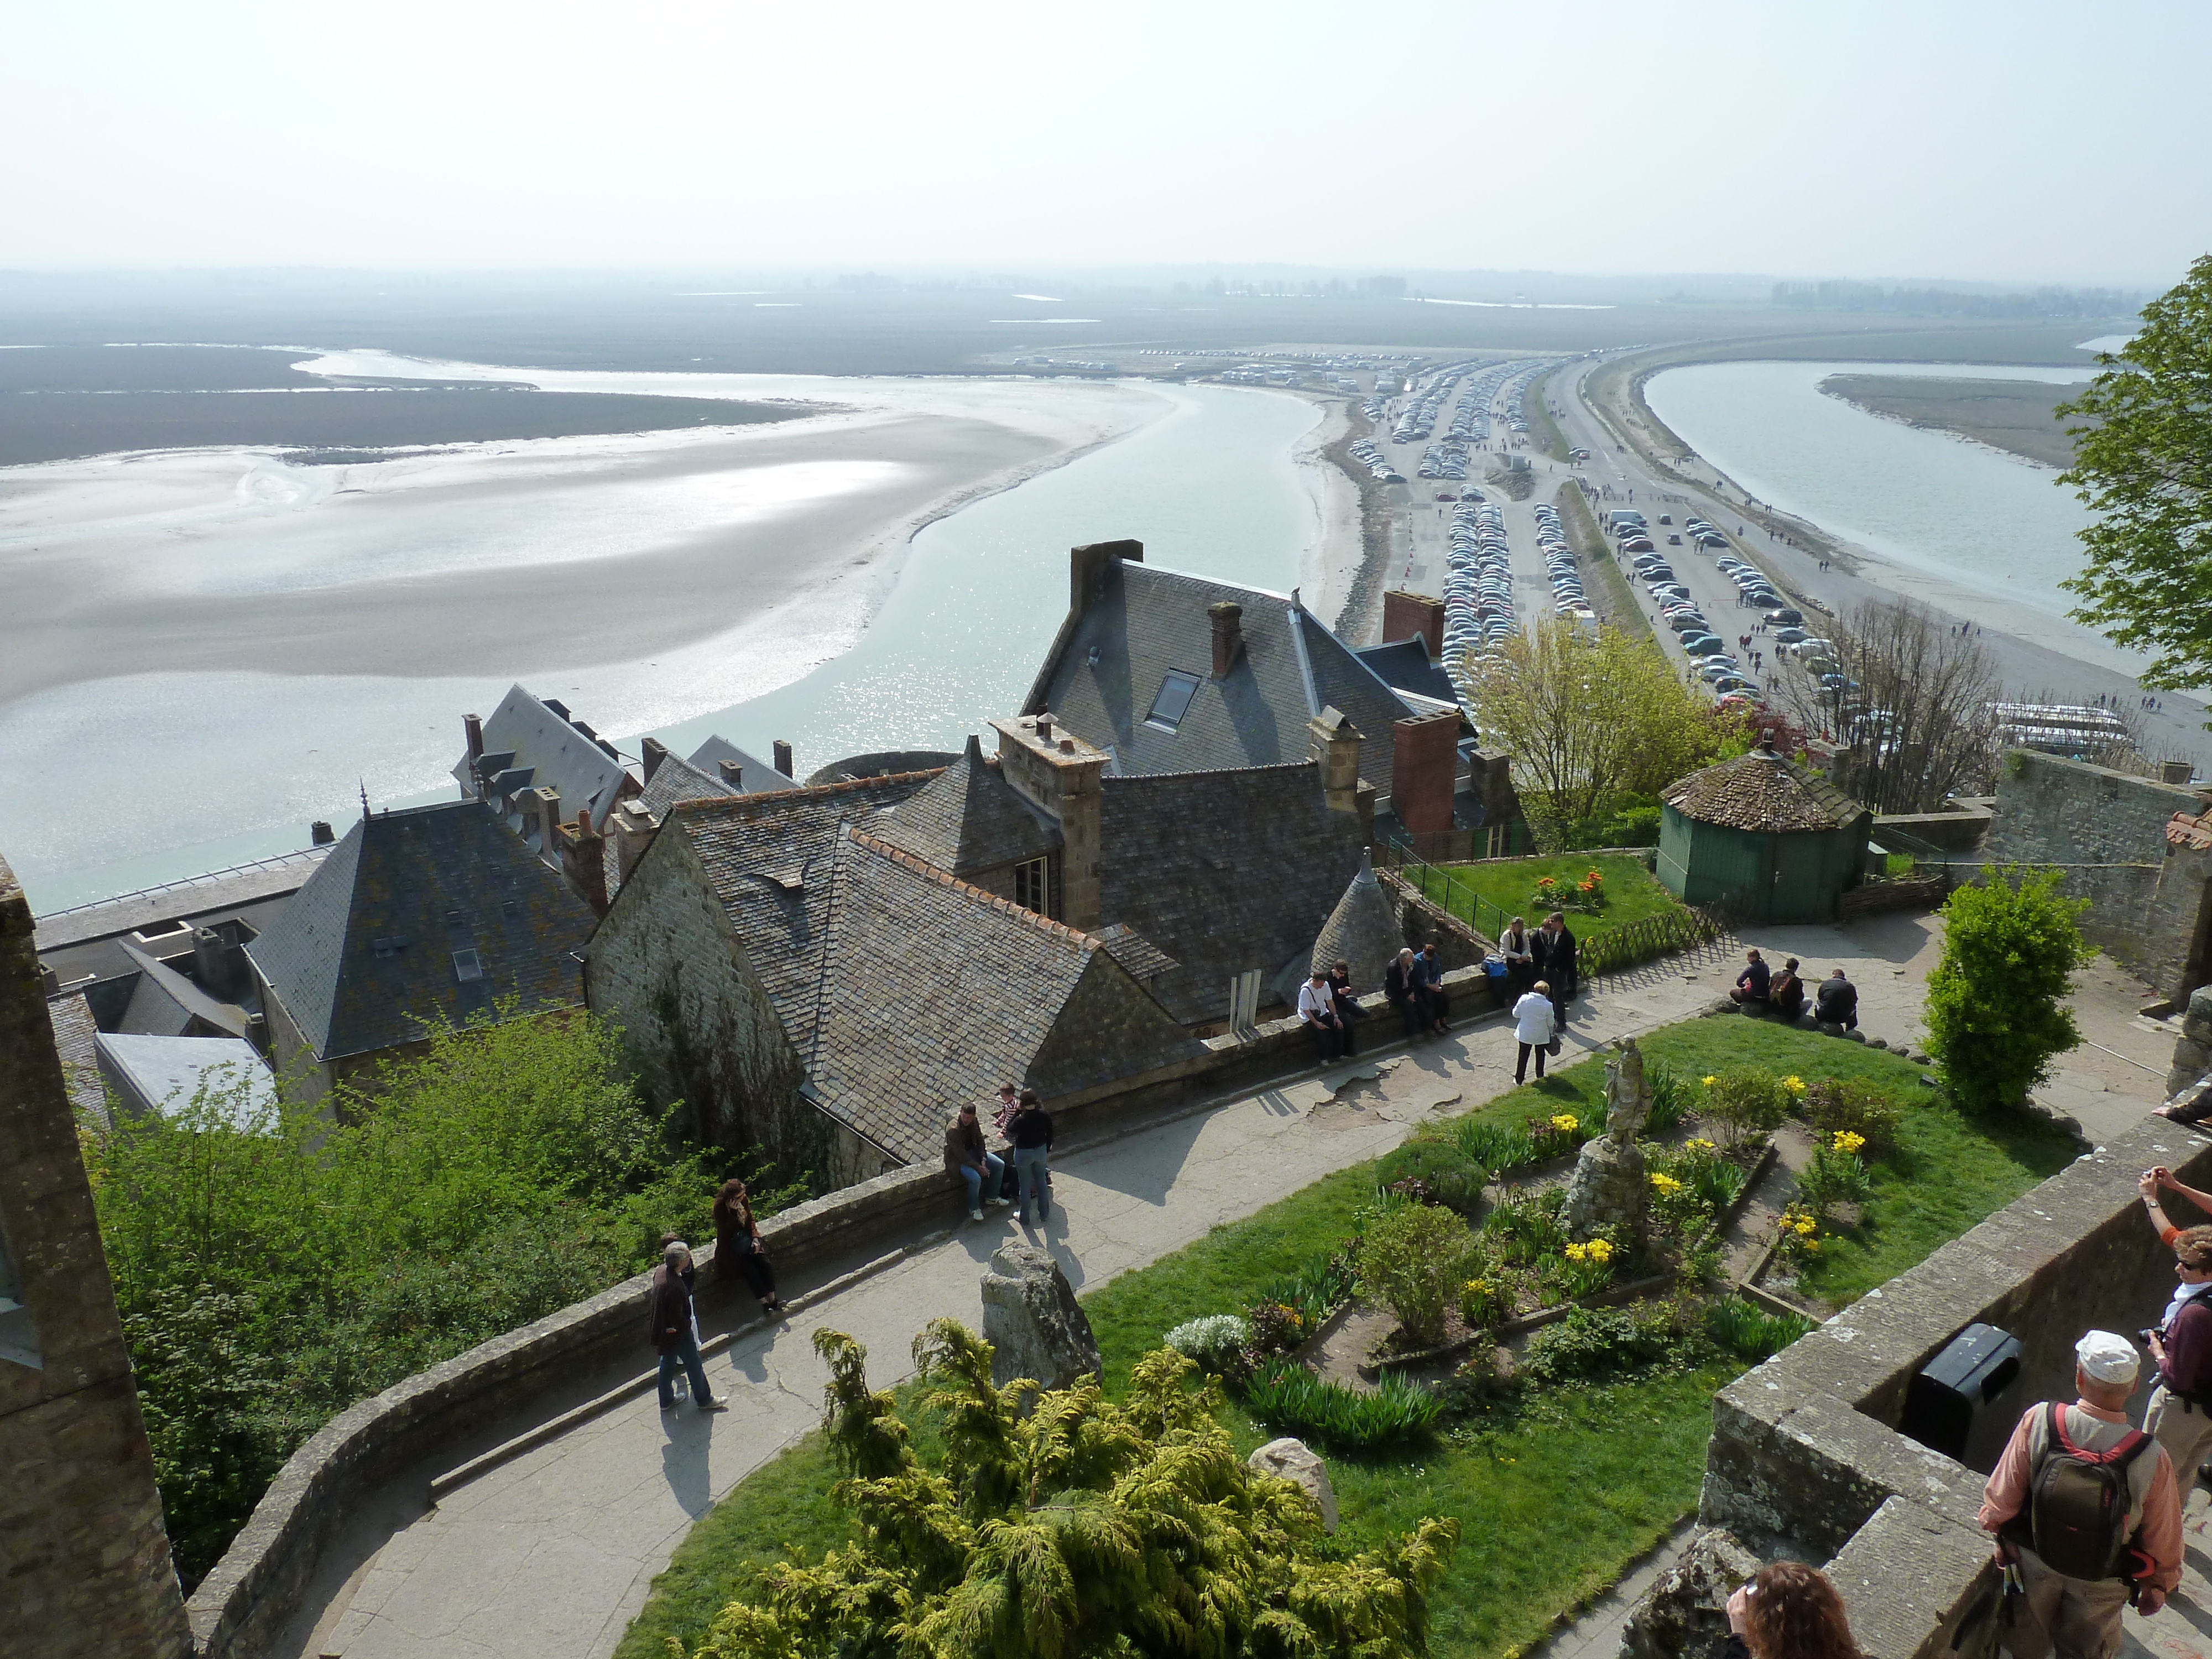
[
  {"x": 783, "y": 759},
  {"x": 472, "y": 729},
  {"x": 1044, "y": 727},
  {"x": 1228, "y": 619},
  {"x": 1067, "y": 746},
  {"x": 734, "y": 773}
]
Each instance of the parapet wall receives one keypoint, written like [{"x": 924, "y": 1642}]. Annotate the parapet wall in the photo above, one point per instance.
[{"x": 1806, "y": 1459}]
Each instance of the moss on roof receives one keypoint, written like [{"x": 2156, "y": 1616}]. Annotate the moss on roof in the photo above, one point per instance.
[{"x": 1763, "y": 794}]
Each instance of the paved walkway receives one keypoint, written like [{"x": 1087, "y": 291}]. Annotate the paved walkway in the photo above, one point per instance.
[{"x": 551, "y": 1555}]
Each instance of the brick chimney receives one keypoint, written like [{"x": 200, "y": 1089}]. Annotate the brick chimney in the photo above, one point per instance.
[
  {"x": 584, "y": 860},
  {"x": 472, "y": 729},
  {"x": 1335, "y": 743},
  {"x": 1425, "y": 759},
  {"x": 1087, "y": 568},
  {"x": 631, "y": 828},
  {"x": 1406, "y": 615},
  {"x": 654, "y": 751},
  {"x": 1228, "y": 619},
  {"x": 733, "y": 773},
  {"x": 782, "y": 756},
  {"x": 1060, "y": 773}
]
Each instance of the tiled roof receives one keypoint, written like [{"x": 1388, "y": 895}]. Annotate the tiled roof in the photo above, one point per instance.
[
  {"x": 164, "y": 1003},
  {"x": 1133, "y": 950},
  {"x": 2192, "y": 832},
  {"x": 74, "y": 1036},
  {"x": 1761, "y": 792},
  {"x": 676, "y": 779},
  {"x": 1225, "y": 871},
  {"x": 1146, "y": 621},
  {"x": 769, "y": 858},
  {"x": 546, "y": 741},
  {"x": 371, "y": 949},
  {"x": 163, "y": 1074},
  {"x": 932, "y": 990},
  {"x": 1405, "y": 665},
  {"x": 967, "y": 819}
]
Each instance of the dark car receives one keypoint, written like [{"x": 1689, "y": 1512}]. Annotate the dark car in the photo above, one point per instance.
[
  {"x": 1674, "y": 541},
  {"x": 1786, "y": 618},
  {"x": 1698, "y": 644}
]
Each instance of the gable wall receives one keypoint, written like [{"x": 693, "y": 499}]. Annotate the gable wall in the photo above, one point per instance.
[{"x": 1108, "y": 1028}]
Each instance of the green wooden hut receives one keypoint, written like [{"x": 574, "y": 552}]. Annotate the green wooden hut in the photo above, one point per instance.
[{"x": 1760, "y": 838}]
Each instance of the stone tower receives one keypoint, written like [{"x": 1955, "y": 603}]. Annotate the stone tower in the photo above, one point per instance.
[{"x": 87, "y": 1572}]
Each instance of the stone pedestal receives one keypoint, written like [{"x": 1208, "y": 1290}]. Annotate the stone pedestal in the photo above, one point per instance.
[
  {"x": 1032, "y": 1320},
  {"x": 1609, "y": 1185}
]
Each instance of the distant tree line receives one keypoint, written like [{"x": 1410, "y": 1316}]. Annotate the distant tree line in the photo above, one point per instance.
[{"x": 1950, "y": 302}]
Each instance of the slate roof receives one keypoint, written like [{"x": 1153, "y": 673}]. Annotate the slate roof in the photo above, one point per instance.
[
  {"x": 676, "y": 779},
  {"x": 967, "y": 819},
  {"x": 75, "y": 1040},
  {"x": 1143, "y": 958},
  {"x": 1146, "y": 621},
  {"x": 1763, "y": 794},
  {"x": 1223, "y": 870},
  {"x": 548, "y": 749},
  {"x": 1363, "y": 930},
  {"x": 1406, "y": 665},
  {"x": 363, "y": 957},
  {"x": 756, "y": 776},
  {"x": 163, "y": 1073},
  {"x": 932, "y": 990},
  {"x": 164, "y": 1003}
]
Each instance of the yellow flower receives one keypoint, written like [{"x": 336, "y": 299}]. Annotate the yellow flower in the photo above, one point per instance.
[
  {"x": 1599, "y": 1251},
  {"x": 1566, "y": 1123},
  {"x": 1848, "y": 1142},
  {"x": 1575, "y": 1253},
  {"x": 1794, "y": 1084},
  {"x": 1811, "y": 1243},
  {"x": 1700, "y": 1145},
  {"x": 1666, "y": 1185},
  {"x": 1710, "y": 1081},
  {"x": 1805, "y": 1226}
]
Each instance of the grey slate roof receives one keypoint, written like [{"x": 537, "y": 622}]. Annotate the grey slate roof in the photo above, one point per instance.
[
  {"x": 676, "y": 779},
  {"x": 75, "y": 1040},
  {"x": 363, "y": 958},
  {"x": 545, "y": 743},
  {"x": 164, "y": 1003},
  {"x": 969, "y": 818},
  {"x": 932, "y": 991},
  {"x": 1406, "y": 665},
  {"x": 1225, "y": 871},
  {"x": 756, "y": 776},
  {"x": 163, "y": 1073},
  {"x": 1364, "y": 930},
  {"x": 1147, "y": 621},
  {"x": 1761, "y": 792},
  {"x": 1143, "y": 958}
]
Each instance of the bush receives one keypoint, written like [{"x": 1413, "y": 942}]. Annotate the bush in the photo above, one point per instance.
[
  {"x": 1498, "y": 1147},
  {"x": 1832, "y": 1177},
  {"x": 1217, "y": 1342},
  {"x": 1836, "y": 1103},
  {"x": 1580, "y": 1269},
  {"x": 1595, "y": 1343},
  {"x": 1435, "y": 1171},
  {"x": 1485, "y": 1300},
  {"x": 1751, "y": 1332},
  {"x": 1527, "y": 1230},
  {"x": 1995, "y": 1008},
  {"x": 1746, "y": 1100},
  {"x": 1413, "y": 1261},
  {"x": 1284, "y": 1397}
]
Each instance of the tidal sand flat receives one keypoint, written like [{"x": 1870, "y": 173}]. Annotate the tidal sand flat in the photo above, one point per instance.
[{"x": 2018, "y": 416}]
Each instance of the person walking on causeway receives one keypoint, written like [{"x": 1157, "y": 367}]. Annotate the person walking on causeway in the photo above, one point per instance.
[{"x": 673, "y": 1333}]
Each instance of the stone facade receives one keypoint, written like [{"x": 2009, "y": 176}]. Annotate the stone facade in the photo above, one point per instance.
[{"x": 86, "y": 1569}]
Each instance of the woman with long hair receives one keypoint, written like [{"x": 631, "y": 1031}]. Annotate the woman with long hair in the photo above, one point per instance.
[
  {"x": 738, "y": 1252},
  {"x": 1789, "y": 1611}
]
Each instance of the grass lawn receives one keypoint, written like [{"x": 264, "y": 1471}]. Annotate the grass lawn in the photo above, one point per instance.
[
  {"x": 1491, "y": 893},
  {"x": 1556, "y": 1492}
]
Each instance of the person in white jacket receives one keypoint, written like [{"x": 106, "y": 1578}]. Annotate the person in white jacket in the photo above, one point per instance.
[{"x": 1535, "y": 1019}]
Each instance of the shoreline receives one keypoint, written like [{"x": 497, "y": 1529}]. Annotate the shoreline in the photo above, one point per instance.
[{"x": 1898, "y": 418}]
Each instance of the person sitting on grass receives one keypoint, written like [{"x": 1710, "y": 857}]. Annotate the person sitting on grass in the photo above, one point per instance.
[
  {"x": 1836, "y": 1002},
  {"x": 1752, "y": 984}
]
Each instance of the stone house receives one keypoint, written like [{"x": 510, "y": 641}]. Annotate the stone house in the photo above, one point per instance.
[
  {"x": 419, "y": 916},
  {"x": 541, "y": 768}
]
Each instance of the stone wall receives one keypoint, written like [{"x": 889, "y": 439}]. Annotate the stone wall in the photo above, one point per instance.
[
  {"x": 1806, "y": 1459},
  {"x": 84, "y": 1562}
]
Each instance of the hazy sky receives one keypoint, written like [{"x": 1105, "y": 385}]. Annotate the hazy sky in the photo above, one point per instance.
[{"x": 2011, "y": 140}]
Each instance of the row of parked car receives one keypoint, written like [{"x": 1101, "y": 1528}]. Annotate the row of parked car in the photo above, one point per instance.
[
  {"x": 1369, "y": 454},
  {"x": 1479, "y": 585},
  {"x": 1418, "y": 420},
  {"x": 1568, "y": 598}
]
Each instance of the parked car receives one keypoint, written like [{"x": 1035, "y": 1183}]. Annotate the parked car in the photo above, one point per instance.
[{"x": 1786, "y": 617}]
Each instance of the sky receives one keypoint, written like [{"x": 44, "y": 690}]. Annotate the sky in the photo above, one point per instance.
[{"x": 2013, "y": 142}]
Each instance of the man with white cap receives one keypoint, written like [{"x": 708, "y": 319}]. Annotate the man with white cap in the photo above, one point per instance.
[{"x": 2085, "y": 1508}]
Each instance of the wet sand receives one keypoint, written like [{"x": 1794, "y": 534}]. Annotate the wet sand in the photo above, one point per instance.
[{"x": 2016, "y": 416}]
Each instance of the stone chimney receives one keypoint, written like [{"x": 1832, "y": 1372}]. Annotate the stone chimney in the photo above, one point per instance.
[
  {"x": 211, "y": 963},
  {"x": 1060, "y": 773},
  {"x": 733, "y": 773},
  {"x": 541, "y": 816},
  {"x": 782, "y": 757},
  {"x": 320, "y": 833},
  {"x": 472, "y": 729},
  {"x": 654, "y": 751},
  {"x": 584, "y": 860},
  {"x": 1424, "y": 764},
  {"x": 1407, "y": 615},
  {"x": 1335, "y": 744},
  {"x": 631, "y": 828},
  {"x": 1087, "y": 568},
  {"x": 1228, "y": 619}
]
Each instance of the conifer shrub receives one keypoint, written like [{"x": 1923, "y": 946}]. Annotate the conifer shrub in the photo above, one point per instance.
[{"x": 1996, "y": 1010}]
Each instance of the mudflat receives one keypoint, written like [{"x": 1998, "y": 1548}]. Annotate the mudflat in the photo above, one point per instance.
[{"x": 2018, "y": 416}]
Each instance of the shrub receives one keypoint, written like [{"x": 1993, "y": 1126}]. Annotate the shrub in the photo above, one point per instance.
[
  {"x": 1746, "y": 1100},
  {"x": 1836, "y": 1103},
  {"x": 1751, "y": 1332},
  {"x": 1413, "y": 1262},
  {"x": 1797, "y": 1233},
  {"x": 1996, "y": 1012},
  {"x": 1496, "y": 1147},
  {"x": 1528, "y": 1230},
  {"x": 1556, "y": 1133},
  {"x": 1284, "y": 1397},
  {"x": 1435, "y": 1171},
  {"x": 1278, "y": 1326},
  {"x": 1712, "y": 1182},
  {"x": 1593, "y": 1344},
  {"x": 1832, "y": 1177},
  {"x": 1216, "y": 1341}
]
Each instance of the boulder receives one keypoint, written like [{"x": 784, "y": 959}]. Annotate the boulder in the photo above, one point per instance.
[
  {"x": 1877, "y": 1043},
  {"x": 1291, "y": 1461},
  {"x": 1684, "y": 1615},
  {"x": 1032, "y": 1320},
  {"x": 2196, "y": 1018},
  {"x": 1610, "y": 1184}
]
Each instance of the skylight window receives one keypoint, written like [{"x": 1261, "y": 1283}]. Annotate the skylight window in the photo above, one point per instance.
[
  {"x": 467, "y": 965},
  {"x": 1172, "y": 702}
]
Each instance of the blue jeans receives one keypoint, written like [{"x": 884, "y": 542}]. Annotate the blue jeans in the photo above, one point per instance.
[
  {"x": 687, "y": 1356},
  {"x": 976, "y": 1180},
  {"x": 1030, "y": 1168}
]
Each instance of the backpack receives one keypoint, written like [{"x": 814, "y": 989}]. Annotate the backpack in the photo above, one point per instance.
[{"x": 2077, "y": 1502}]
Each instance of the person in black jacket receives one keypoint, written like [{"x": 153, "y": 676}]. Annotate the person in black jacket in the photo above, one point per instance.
[
  {"x": 1555, "y": 962},
  {"x": 1401, "y": 989},
  {"x": 1030, "y": 1133},
  {"x": 1836, "y": 1002},
  {"x": 1751, "y": 984},
  {"x": 1347, "y": 1001}
]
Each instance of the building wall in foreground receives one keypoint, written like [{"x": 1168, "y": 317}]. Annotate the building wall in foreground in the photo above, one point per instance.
[{"x": 84, "y": 1562}]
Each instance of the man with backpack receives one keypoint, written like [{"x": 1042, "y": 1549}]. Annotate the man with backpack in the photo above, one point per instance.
[{"x": 2087, "y": 1514}]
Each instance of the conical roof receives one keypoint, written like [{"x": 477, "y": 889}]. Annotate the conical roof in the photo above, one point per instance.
[
  {"x": 1363, "y": 930},
  {"x": 1761, "y": 792}
]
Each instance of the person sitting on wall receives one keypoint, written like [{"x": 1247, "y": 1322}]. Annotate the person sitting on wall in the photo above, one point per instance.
[
  {"x": 1346, "y": 1003},
  {"x": 2181, "y": 1414},
  {"x": 1436, "y": 1002},
  {"x": 1317, "y": 1013},
  {"x": 1752, "y": 984},
  {"x": 2075, "y": 1550},
  {"x": 965, "y": 1155},
  {"x": 1836, "y": 1002},
  {"x": 1786, "y": 992},
  {"x": 1401, "y": 989},
  {"x": 1518, "y": 947},
  {"x": 1790, "y": 1611}
]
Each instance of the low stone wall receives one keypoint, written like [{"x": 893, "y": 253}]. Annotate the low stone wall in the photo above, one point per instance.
[
  {"x": 1805, "y": 1459},
  {"x": 1873, "y": 898},
  {"x": 1962, "y": 831}
]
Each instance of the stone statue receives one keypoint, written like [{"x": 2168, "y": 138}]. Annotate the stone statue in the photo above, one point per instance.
[{"x": 1608, "y": 1185}]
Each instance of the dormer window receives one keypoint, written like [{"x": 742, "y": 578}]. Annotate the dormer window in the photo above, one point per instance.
[{"x": 1172, "y": 702}]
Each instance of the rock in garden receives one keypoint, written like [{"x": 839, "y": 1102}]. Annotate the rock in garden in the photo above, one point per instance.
[
  {"x": 1609, "y": 1183},
  {"x": 1877, "y": 1043},
  {"x": 1293, "y": 1461},
  {"x": 1032, "y": 1320},
  {"x": 1684, "y": 1615}
]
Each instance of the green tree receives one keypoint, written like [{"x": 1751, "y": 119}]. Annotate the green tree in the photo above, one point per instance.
[
  {"x": 2145, "y": 466},
  {"x": 1996, "y": 1011},
  {"x": 1080, "y": 1528},
  {"x": 1590, "y": 718}
]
